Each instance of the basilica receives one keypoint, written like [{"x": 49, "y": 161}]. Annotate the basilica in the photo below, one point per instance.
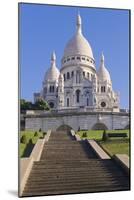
[{"x": 78, "y": 84}]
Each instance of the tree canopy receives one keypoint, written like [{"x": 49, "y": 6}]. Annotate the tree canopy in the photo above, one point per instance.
[{"x": 38, "y": 105}]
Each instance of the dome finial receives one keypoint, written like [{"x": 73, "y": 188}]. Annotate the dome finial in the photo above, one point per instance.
[
  {"x": 102, "y": 59},
  {"x": 79, "y": 23},
  {"x": 102, "y": 56},
  {"x": 53, "y": 56},
  {"x": 53, "y": 59}
]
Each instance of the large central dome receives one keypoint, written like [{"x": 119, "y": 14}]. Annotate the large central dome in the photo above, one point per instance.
[{"x": 78, "y": 45}]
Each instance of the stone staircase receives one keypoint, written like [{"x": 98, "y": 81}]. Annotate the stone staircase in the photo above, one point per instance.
[{"x": 68, "y": 166}]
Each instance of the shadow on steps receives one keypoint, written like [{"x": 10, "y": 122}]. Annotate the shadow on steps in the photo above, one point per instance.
[{"x": 28, "y": 150}]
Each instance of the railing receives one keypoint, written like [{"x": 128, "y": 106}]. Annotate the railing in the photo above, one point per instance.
[
  {"x": 75, "y": 110},
  {"x": 27, "y": 163}
]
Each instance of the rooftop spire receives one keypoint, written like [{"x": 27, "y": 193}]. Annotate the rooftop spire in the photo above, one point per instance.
[
  {"x": 102, "y": 60},
  {"x": 79, "y": 24},
  {"x": 53, "y": 59},
  {"x": 53, "y": 56}
]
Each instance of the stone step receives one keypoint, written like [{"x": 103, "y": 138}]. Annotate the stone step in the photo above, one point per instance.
[
  {"x": 72, "y": 191},
  {"x": 86, "y": 189},
  {"x": 68, "y": 166},
  {"x": 73, "y": 182},
  {"x": 64, "y": 154},
  {"x": 78, "y": 185},
  {"x": 73, "y": 170},
  {"x": 82, "y": 175},
  {"x": 75, "y": 164},
  {"x": 71, "y": 167}
]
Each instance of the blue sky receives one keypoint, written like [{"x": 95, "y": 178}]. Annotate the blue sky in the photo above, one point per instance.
[{"x": 44, "y": 28}]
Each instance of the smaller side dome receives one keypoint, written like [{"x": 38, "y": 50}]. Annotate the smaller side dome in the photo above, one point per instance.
[
  {"x": 52, "y": 73},
  {"x": 103, "y": 73}
]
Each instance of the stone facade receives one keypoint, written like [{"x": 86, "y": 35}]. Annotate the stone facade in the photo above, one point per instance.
[{"x": 75, "y": 121}]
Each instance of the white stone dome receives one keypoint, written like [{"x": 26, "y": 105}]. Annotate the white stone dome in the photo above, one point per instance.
[
  {"x": 52, "y": 73},
  {"x": 103, "y": 74},
  {"x": 78, "y": 45}
]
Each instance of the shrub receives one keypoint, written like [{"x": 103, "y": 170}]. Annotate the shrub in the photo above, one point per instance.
[
  {"x": 104, "y": 136},
  {"x": 44, "y": 133},
  {"x": 35, "y": 134},
  {"x": 30, "y": 141},
  {"x": 84, "y": 134},
  {"x": 40, "y": 130},
  {"x": 79, "y": 128},
  {"x": 23, "y": 139}
]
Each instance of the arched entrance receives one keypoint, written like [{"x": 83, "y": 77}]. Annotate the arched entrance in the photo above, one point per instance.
[
  {"x": 99, "y": 126},
  {"x": 64, "y": 127}
]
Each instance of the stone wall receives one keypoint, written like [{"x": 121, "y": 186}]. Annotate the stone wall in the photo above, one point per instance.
[{"x": 76, "y": 120}]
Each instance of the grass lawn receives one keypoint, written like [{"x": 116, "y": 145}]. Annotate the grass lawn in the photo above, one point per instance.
[
  {"x": 97, "y": 134},
  {"x": 113, "y": 145},
  {"x": 29, "y": 135},
  {"x": 120, "y": 146}
]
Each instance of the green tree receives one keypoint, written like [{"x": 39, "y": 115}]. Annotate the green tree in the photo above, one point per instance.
[
  {"x": 25, "y": 105},
  {"x": 38, "y": 105},
  {"x": 42, "y": 105}
]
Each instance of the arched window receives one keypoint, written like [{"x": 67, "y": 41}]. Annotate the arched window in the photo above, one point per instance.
[
  {"x": 94, "y": 100},
  {"x": 51, "y": 105},
  {"x": 68, "y": 75},
  {"x": 77, "y": 96},
  {"x": 67, "y": 102},
  {"x": 51, "y": 89},
  {"x": 102, "y": 88},
  {"x": 87, "y": 101},
  {"x": 64, "y": 77},
  {"x": 83, "y": 73},
  {"x": 72, "y": 73},
  {"x": 73, "y": 58}
]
